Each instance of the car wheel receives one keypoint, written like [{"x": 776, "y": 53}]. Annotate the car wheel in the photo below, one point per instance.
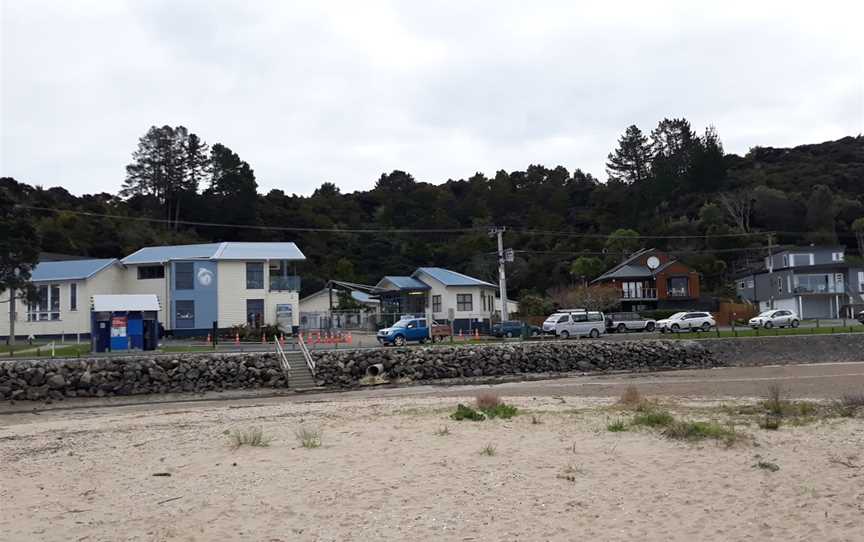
[
  {"x": 675, "y": 327},
  {"x": 620, "y": 329},
  {"x": 794, "y": 323},
  {"x": 535, "y": 333},
  {"x": 706, "y": 327},
  {"x": 564, "y": 335},
  {"x": 399, "y": 340},
  {"x": 594, "y": 333},
  {"x": 769, "y": 324},
  {"x": 650, "y": 327},
  {"x": 509, "y": 334}
]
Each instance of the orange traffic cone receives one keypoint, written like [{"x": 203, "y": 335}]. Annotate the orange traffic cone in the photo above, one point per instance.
[
  {"x": 237, "y": 339},
  {"x": 476, "y": 333},
  {"x": 208, "y": 339},
  {"x": 461, "y": 336},
  {"x": 349, "y": 337}
]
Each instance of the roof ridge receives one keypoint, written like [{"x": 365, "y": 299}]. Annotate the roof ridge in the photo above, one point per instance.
[{"x": 219, "y": 250}]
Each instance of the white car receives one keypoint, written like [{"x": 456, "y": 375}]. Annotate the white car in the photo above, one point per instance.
[
  {"x": 778, "y": 317},
  {"x": 687, "y": 321},
  {"x": 575, "y": 323}
]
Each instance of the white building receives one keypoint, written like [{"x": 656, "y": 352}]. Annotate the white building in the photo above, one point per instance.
[{"x": 197, "y": 285}]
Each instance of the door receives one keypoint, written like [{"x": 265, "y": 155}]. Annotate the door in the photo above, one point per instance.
[{"x": 103, "y": 335}]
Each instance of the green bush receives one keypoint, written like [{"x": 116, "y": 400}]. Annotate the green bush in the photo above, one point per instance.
[
  {"x": 653, "y": 419},
  {"x": 617, "y": 426},
  {"x": 501, "y": 410},
  {"x": 699, "y": 431},
  {"x": 467, "y": 413}
]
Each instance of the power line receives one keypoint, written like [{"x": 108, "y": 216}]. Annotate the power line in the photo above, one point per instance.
[
  {"x": 254, "y": 227},
  {"x": 606, "y": 236},
  {"x": 612, "y": 253}
]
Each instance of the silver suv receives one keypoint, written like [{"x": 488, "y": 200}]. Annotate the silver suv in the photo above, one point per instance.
[{"x": 772, "y": 318}]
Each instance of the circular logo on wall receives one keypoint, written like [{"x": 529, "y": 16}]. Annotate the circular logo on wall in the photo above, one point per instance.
[{"x": 205, "y": 277}]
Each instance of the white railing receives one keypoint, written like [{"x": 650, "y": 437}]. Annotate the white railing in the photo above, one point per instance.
[
  {"x": 283, "y": 359},
  {"x": 306, "y": 354}
]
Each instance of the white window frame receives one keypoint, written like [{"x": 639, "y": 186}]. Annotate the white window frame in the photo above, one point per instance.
[
  {"x": 837, "y": 257},
  {"x": 793, "y": 263},
  {"x": 35, "y": 312}
]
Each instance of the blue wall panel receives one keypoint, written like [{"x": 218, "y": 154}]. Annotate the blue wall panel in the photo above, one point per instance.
[{"x": 203, "y": 293}]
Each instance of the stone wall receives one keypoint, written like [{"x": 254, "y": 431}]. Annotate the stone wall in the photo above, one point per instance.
[
  {"x": 347, "y": 368},
  {"x": 101, "y": 377},
  {"x": 750, "y": 351}
]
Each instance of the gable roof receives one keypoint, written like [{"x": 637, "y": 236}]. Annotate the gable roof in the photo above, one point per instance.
[
  {"x": 215, "y": 251},
  {"x": 69, "y": 269},
  {"x": 451, "y": 278},
  {"x": 357, "y": 295},
  {"x": 404, "y": 283},
  {"x": 625, "y": 269}
]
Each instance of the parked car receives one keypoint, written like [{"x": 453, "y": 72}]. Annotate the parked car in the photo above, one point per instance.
[
  {"x": 575, "y": 323},
  {"x": 684, "y": 321},
  {"x": 513, "y": 328},
  {"x": 628, "y": 321},
  {"x": 860, "y": 317},
  {"x": 772, "y": 318},
  {"x": 412, "y": 329}
]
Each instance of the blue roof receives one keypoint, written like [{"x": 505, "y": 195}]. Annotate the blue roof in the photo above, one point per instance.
[
  {"x": 406, "y": 283},
  {"x": 451, "y": 278},
  {"x": 68, "y": 269},
  {"x": 216, "y": 251}
]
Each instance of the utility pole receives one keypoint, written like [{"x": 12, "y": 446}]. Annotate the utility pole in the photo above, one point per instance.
[
  {"x": 770, "y": 272},
  {"x": 502, "y": 279}
]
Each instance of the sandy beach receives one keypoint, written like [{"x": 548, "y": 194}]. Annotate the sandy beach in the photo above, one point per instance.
[{"x": 385, "y": 471}]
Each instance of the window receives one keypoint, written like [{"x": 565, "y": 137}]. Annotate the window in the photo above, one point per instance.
[
  {"x": 563, "y": 319},
  {"x": 184, "y": 275},
  {"x": 255, "y": 312},
  {"x": 436, "y": 303},
  {"x": 47, "y": 304},
  {"x": 785, "y": 260},
  {"x": 801, "y": 259},
  {"x": 464, "y": 302},
  {"x": 678, "y": 286},
  {"x": 861, "y": 281},
  {"x": 151, "y": 272},
  {"x": 837, "y": 256},
  {"x": 779, "y": 285},
  {"x": 73, "y": 297},
  {"x": 483, "y": 298},
  {"x": 282, "y": 277},
  {"x": 254, "y": 276},
  {"x": 749, "y": 283},
  {"x": 184, "y": 315}
]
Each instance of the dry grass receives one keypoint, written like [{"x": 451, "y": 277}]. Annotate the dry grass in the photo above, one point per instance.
[
  {"x": 442, "y": 432},
  {"x": 309, "y": 437},
  {"x": 488, "y": 450},
  {"x": 253, "y": 436},
  {"x": 487, "y": 400},
  {"x": 631, "y": 397}
]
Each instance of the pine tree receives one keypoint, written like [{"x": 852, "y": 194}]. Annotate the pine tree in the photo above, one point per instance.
[{"x": 630, "y": 163}]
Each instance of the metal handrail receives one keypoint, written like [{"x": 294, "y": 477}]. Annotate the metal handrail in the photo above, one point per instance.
[
  {"x": 283, "y": 359},
  {"x": 306, "y": 354}
]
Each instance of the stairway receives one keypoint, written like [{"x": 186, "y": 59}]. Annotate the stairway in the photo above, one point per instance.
[{"x": 300, "y": 377}]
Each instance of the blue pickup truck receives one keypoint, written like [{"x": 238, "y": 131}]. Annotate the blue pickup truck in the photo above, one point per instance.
[{"x": 412, "y": 329}]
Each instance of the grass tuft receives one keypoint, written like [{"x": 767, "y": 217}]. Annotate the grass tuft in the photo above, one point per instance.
[
  {"x": 774, "y": 401},
  {"x": 767, "y": 465},
  {"x": 771, "y": 423},
  {"x": 631, "y": 397},
  {"x": 658, "y": 418},
  {"x": 693, "y": 431},
  {"x": 309, "y": 437},
  {"x": 617, "y": 426},
  {"x": 467, "y": 413},
  {"x": 487, "y": 400},
  {"x": 253, "y": 436},
  {"x": 535, "y": 420},
  {"x": 571, "y": 472},
  {"x": 501, "y": 410},
  {"x": 488, "y": 450},
  {"x": 442, "y": 432}
]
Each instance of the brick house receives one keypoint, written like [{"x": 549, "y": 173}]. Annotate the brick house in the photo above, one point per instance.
[{"x": 652, "y": 279}]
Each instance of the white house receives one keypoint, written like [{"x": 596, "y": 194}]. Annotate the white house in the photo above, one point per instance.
[
  {"x": 466, "y": 302},
  {"x": 196, "y": 286}
]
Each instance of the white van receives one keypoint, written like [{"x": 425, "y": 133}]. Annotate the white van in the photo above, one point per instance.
[{"x": 575, "y": 323}]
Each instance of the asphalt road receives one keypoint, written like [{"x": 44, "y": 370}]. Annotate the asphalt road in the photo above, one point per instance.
[{"x": 814, "y": 381}]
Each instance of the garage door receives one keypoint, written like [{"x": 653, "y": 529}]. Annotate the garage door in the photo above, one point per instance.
[
  {"x": 817, "y": 307},
  {"x": 787, "y": 304}
]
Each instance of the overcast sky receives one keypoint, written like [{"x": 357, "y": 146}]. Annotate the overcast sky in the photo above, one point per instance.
[{"x": 308, "y": 92}]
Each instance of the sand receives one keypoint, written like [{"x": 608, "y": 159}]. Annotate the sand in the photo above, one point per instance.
[{"x": 384, "y": 474}]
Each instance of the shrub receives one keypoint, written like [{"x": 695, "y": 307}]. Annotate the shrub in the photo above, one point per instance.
[
  {"x": 774, "y": 402},
  {"x": 249, "y": 437},
  {"x": 535, "y": 420},
  {"x": 617, "y": 426},
  {"x": 699, "y": 431},
  {"x": 767, "y": 465},
  {"x": 467, "y": 413},
  {"x": 503, "y": 410},
  {"x": 772, "y": 423},
  {"x": 309, "y": 437},
  {"x": 487, "y": 400},
  {"x": 653, "y": 419},
  {"x": 853, "y": 400},
  {"x": 489, "y": 450},
  {"x": 630, "y": 397}
]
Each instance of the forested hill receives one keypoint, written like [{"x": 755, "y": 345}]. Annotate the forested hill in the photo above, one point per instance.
[{"x": 669, "y": 182}]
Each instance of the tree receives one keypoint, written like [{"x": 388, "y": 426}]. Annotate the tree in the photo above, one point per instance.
[
  {"x": 630, "y": 162},
  {"x": 710, "y": 214},
  {"x": 820, "y": 215},
  {"x": 858, "y": 228},
  {"x": 601, "y": 297},
  {"x": 19, "y": 253},
  {"x": 168, "y": 163},
  {"x": 233, "y": 191},
  {"x": 532, "y": 305},
  {"x": 739, "y": 207},
  {"x": 586, "y": 268},
  {"x": 623, "y": 241}
]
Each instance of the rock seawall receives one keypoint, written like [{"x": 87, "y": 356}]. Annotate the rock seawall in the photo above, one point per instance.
[
  {"x": 346, "y": 368},
  {"x": 101, "y": 377}
]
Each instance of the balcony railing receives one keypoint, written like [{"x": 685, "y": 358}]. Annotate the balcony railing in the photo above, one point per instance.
[
  {"x": 643, "y": 293},
  {"x": 819, "y": 289},
  {"x": 285, "y": 284},
  {"x": 678, "y": 293}
]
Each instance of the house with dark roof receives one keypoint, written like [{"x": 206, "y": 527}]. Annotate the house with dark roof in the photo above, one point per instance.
[
  {"x": 812, "y": 281},
  {"x": 652, "y": 279},
  {"x": 448, "y": 296}
]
